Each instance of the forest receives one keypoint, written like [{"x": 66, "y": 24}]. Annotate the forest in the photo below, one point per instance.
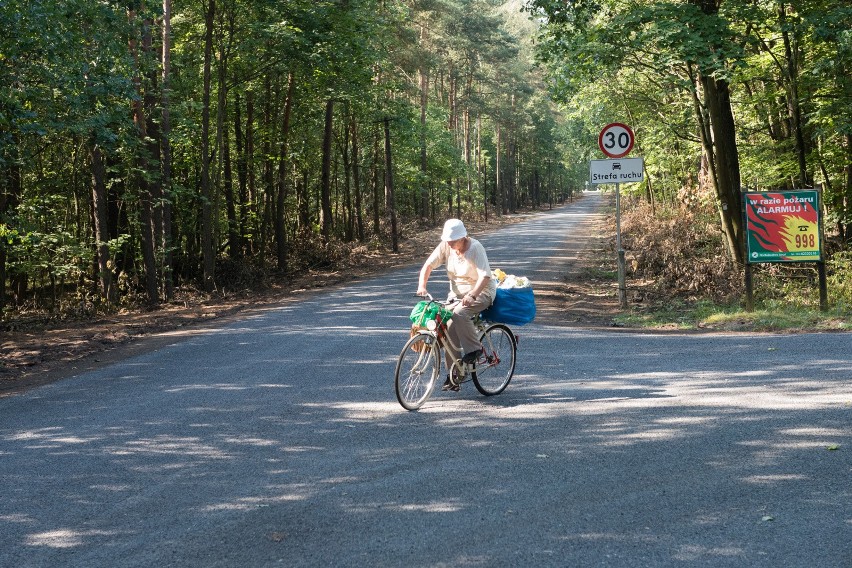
[
  {"x": 726, "y": 97},
  {"x": 147, "y": 146}
]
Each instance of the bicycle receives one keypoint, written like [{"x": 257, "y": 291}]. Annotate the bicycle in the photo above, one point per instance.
[{"x": 419, "y": 366}]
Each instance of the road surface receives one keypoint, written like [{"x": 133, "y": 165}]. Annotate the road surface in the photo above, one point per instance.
[{"x": 277, "y": 441}]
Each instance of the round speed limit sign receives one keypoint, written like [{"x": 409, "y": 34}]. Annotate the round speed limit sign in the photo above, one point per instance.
[{"x": 616, "y": 140}]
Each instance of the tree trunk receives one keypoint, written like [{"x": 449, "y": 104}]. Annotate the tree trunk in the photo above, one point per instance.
[
  {"x": 841, "y": 192},
  {"x": 267, "y": 215},
  {"x": 146, "y": 191},
  {"x": 847, "y": 193},
  {"x": 280, "y": 233},
  {"x": 223, "y": 139},
  {"x": 511, "y": 178},
  {"x": 356, "y": 179},
  {"x": 224, "y": 152},
  {"x": 99, "y": 216},
  {"x": 304, "y": 203},
  {"x": 207, "y": 250},
  {"x": 467, "y": 157},
  {"x": 249, "y": 202},
  {"x": 794, "y": 107},
  {"x": 242, "y": 168},
  {"x": 152, "y": 141},
  {"x": 376, "y": 189},
  {"x": 325, "y": 195},
  {"x": 720, "y": 145},
  {"x": 166, "y": 154},
  {"x": 389, "y": 189},
  {"x": 3, "y": 261},
  {"x": 499, "y": 192},
  {"x": 10, "y": 193},
  {"x": 349, "y": 215},
  {"x": 726, "y": 164},
  {"x": 424, "y": 101},
  {"x": 481, "y": 166},
  {"x": 536, "y": 188},
  {"x": 234, "y": 245}
]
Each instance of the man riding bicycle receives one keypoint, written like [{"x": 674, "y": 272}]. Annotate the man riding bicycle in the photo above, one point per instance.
[{"x": 470, "y": 283}]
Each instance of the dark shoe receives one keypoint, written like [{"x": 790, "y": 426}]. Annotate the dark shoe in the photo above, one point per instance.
[
  {"x": 451, "y": 385},
  {"x": 472, "y": 356}
]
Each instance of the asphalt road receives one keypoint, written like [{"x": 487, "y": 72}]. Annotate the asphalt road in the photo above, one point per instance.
[{"x": 277, "y": 441}]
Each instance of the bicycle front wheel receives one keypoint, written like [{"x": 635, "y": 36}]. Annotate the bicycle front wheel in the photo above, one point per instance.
[
  {"x": 496, "y": 366},
  {"x": 417, "y": 371}
]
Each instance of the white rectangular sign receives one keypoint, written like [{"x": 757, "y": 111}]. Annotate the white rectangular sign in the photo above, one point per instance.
[{"x": 621, "y": 170}]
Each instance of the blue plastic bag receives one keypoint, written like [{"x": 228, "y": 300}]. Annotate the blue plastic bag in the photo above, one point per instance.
[{"x": 513, "y": 306}]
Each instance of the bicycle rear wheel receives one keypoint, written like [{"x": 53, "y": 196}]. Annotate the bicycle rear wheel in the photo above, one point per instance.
[
  {"x": 496, "y": 366},
  {"x": 417, "y": 371}
]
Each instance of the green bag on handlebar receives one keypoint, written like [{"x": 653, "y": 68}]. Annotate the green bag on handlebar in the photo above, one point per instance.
[{"x": 425, "y": 311}]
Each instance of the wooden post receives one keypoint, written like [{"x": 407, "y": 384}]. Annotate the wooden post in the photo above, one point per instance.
[
  {"x": 823, "y": 287},
  {"x": 749, "y": 288}
]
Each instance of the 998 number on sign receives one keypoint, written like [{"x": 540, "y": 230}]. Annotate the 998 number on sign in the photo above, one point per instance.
[{"x": 805, "y": 241}]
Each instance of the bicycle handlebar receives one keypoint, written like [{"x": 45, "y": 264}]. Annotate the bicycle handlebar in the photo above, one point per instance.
[{"x": 432, "y": 300}]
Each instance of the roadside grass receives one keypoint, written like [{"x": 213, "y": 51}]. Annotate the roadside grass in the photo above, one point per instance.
[
  {"x": 770, "y": 316},
  {"x": 782, "y": 318}
]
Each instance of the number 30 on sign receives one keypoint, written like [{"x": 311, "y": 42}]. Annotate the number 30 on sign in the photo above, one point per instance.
[{"x": 616, "y": 140}]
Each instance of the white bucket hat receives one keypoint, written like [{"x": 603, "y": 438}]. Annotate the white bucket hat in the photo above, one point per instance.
[{"x": 453, "y": 230}]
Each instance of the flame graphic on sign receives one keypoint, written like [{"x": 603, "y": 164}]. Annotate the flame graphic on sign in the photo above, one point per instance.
[{"x": 774, "y": 228}]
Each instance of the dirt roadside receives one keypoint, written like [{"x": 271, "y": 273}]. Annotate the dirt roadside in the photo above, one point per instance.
[{"x": 40, "y": 354}]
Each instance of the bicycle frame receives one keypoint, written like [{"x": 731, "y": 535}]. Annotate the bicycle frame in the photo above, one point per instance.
[
  {"x": 430, "y": 350},
  {"x": 443, "y": 340}
]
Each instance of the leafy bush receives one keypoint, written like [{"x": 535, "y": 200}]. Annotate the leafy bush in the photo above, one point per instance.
[
  {"x": 680, "y": 252},
  {"x": 839, "y": 279}
]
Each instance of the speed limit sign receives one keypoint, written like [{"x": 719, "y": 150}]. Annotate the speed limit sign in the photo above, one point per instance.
[{"x": 616, "y": 140}]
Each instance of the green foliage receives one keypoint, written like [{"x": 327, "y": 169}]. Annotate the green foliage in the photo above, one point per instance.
[
  {"x": 468, "y": 67},
  {"x": 88, "y": 102},
  {"x": 839, "y": 280},
  {"x": 788, "y": 65}
]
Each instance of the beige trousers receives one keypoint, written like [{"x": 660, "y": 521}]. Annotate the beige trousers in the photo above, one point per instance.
[{"x": 460, "y": 328}]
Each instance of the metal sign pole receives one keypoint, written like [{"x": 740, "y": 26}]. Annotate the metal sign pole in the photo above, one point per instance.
[
  {"x": 615, "y": 141},
  {"x": 622, "y": 288}
]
